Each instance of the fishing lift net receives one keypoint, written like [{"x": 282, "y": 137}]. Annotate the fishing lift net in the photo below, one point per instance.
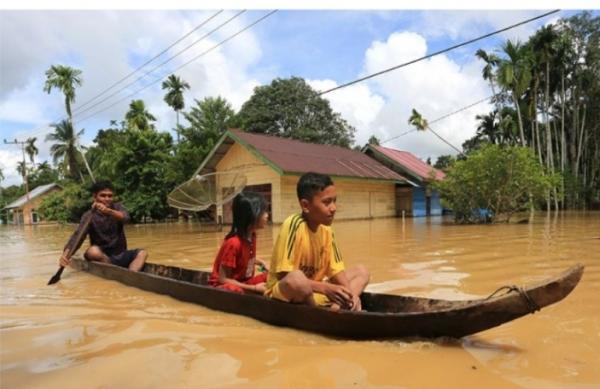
[{"x": 202, "y": 191}]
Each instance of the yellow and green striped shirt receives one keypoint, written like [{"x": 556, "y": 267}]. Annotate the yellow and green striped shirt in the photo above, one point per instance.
[{"x": 298, "y": 248}]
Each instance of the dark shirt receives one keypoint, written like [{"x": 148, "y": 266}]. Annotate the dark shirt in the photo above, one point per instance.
[{"x": 105, "y": 231}]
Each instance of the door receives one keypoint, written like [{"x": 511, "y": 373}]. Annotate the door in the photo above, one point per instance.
[{"x": 264, "y": 189}]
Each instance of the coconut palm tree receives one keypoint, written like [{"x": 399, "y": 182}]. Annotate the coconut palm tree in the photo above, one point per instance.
[
  {"x": 174, "y": 97},
  {"x": 421, "y": 124},
  {"x": 44, "y": 166},
  {"x": 514, "y": 75},
  {"x": 64, "y": 78},
  {"x": 488, "y": 128},
  {"x": 31, "y": 149},
  {"x": 491, "y": 61},
  {"x": 138, "y": 117},
  {"x": 65, "y": 146},
  {"x": 22, "y": 169},
  {"x": 544, "y": 44}
]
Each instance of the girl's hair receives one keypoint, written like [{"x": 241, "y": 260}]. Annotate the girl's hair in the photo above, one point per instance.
[{"x": 247, "y": 209}]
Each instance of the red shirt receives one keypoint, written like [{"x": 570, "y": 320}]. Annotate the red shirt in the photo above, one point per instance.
[{"x": 237, "y": 254}]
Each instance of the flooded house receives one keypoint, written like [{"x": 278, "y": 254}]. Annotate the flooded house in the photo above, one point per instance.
[
  {"x": 272, "y": 166},
  {"x": 416, "y": 197},
  {"x": 24, "y": 209}
]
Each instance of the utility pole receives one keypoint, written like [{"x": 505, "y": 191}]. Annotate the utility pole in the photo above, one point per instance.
[{"x": 16, "y": 142}]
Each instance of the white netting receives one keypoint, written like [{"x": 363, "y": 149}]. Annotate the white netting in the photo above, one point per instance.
[{"x": 202, "y": 191}]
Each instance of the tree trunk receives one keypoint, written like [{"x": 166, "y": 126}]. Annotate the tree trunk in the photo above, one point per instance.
[
  {"x": 68, "y": 108},
  {"x": 535, "y": 137},
  {"x": 563, "y": 147},
  {"x": 521, "y": 132},
  {"x": 87, "y": 166},
  {"x": 549, "y": 153},
  {"x": 177, "y": 128},
  {"x": 573, "y": 145},
  {"x": 580, "y": 143}
]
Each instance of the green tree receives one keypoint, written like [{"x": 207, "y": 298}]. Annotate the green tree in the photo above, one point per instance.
[
  {"x": 64, "y": 149},
  {"x": 7, "y": 196},
  {"x": 174, "y": 98},
  {"x": 102, "y": 155},
  {"x": 373, "y": 140},
  {"x": 208, "y": 120},
  {"x": 141, "y": 178},
  {"x": 67, "y": 205},
  {"x": 444, "y": 162},
  {"x": 65, "y": 79},
  {"x": 491, "y": 62},
  {"x": 31, "y": 149},
  {"x": 22, "y": 169},
  {"x": 138, "y": 117},
  {"x": 43, "y": 174},
  {"x": 290, "y": 108},
  {"x": 500, "y": 179},
  {"x": 514, "y": 75}
]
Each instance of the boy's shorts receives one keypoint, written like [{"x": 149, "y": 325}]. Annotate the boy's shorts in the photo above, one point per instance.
[
  {"x": 275, "y": 293},
  {"x": 125, "y": 258}
]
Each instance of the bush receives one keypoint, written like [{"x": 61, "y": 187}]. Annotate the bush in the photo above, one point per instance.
[
  {"x": 493, "y": 183},
  {"x": 67, "y": 205}
]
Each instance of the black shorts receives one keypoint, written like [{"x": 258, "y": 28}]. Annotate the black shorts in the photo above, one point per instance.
[{"x": 125, "y": 258}]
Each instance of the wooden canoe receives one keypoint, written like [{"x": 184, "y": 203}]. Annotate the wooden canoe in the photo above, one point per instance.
[{"x": 385, "y": 316}]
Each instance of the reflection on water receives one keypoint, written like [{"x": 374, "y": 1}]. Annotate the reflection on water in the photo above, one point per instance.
[{"x": 89, "y": 332}]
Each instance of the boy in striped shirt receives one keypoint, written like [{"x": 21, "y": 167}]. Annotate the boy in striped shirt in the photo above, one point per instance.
[{"x": 306, "y": 266}]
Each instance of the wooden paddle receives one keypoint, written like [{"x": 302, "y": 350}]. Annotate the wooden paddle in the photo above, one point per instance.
[{"x": 71, "y": 248}]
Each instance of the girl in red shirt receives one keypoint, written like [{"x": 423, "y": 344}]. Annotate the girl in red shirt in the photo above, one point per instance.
[{"x": 234, "y": 266}]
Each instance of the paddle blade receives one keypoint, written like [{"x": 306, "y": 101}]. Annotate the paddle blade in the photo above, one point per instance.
[{"x": 56, "y": 277}]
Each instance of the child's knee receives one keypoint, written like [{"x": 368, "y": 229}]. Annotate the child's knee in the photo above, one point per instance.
[
  {"x": 297, "y": 285},
  {"x": 94, "y": 253},
  {"x": 363, "y": 272}
]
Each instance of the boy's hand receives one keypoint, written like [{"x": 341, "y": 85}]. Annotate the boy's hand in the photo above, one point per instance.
[
  {"x": 64, "y": 260},
  {"x": 339, "y": 294},
  {"x": 102, "y": 208},
  {"x": 259, "y": 288}
]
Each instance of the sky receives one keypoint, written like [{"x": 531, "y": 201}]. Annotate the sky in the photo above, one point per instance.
[{"x": 325, "y": 47}]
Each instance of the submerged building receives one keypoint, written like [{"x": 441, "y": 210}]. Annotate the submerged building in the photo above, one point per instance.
[
  {"x": 417, "y": 197},
  {"x": 24, "y": 209},
  {"x": 272, "y": 166}
]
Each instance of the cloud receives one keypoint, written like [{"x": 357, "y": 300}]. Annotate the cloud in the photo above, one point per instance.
[
  {"x": 466, "y": 25},
  {"x": 19, "y": 105},
  {"x": 9, "y": 159},
  {"x": 109, "y": 45},
  {"x": 434, "y": 87},
  {"x": 357, "y": 104}
]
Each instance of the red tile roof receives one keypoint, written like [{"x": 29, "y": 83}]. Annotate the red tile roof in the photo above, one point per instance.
[
  {"x": 293, "y": 156},
  {"x": 410, "y": 162}
]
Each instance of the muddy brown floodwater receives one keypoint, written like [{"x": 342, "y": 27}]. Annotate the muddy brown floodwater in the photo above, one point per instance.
[{"x": 87, "y": 332}]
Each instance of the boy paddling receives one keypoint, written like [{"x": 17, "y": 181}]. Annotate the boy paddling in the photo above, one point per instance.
[
  {"x": 106, "y": 231},
  {"x": 307, "y": 266}
]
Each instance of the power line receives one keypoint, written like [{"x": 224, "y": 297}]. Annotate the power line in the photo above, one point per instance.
[
  {"x": 436, "y": 53},
  {"x": 185, "y": 64},
  {"x": 150, "y": 60},
  {"x": 39, "y": 131},
  {"x": 163, "y": 63},
  {"x": 441, "y": 118}
]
